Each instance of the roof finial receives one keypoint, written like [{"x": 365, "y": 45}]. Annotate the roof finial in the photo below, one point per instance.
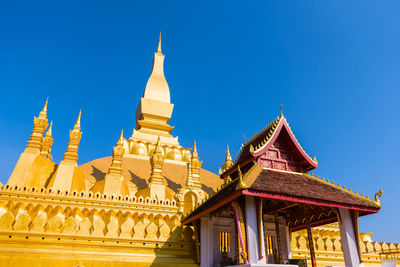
[
  {"x": 282, "y": 110},
  {"x": 43, "y": 113},
  {"x": 77, "y": 125},
  {"x": 240, "y": 184},
  {"x": 159, "y": 44},
  {"x": 244, "y": 137}
]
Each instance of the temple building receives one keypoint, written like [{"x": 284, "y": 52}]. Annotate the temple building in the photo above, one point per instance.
[{"x": 151, "y": 204}]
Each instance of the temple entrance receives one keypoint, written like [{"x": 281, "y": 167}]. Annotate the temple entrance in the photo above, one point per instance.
[{"x": 224, "y": 236}]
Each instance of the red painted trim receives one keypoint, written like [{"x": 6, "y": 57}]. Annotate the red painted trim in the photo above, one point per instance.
[
  {"x": 277, "y": 131},
  {"x": 214, "y": 207},
  {"x": 308, "y": 201}
]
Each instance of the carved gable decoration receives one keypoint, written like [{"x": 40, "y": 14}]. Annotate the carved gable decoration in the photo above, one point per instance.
[{"x": 283, "y": 152}]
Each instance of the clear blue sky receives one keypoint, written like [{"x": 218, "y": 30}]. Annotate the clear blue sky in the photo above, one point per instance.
[{"x": 335, "y": 65}]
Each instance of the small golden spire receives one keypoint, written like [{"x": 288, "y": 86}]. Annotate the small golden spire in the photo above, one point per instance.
[
  {"x": 194, "y": 154},
  {"x": 43, "y": 113},
  {"x": 77, "y": 126},
  {"x": 282, "y": 110},
  {"x": 46, "y": 144},
  {"x": 159, "y": 44},
  {"x": 228, "y": 155},
  {"x": 48, "y": 133},
  {"x": 228, "y": 160},
  {"x": 121, "y": 138},
  {"x": 158, "y": 149}
]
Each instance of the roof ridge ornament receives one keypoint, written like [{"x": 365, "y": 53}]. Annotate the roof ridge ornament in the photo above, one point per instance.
[
  {"x": 377, "y": 196},
  {"x": 281, "y": 110},
  {"x": 241, "y": 184}
]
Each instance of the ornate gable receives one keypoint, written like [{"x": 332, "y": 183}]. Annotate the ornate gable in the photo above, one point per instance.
[
  {"x": 283, "y": 152},
  {"x": 274, "y": 147}
]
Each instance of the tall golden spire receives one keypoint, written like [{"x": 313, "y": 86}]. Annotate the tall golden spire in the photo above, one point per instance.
[
  {"x": 39, "y": 126},
  {"x": 73, "y": 144},
  {"x": 45, "y": 151},
  {"x": 155, "y": 109},
  {"x": 228, "y": 160}
]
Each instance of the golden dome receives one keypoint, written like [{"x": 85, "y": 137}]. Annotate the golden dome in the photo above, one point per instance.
[{"x": 137, "y": 171}]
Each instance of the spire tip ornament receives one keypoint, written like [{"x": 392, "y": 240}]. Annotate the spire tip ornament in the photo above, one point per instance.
[
  {"x": 159, "y": 44},
  {"x": 77, "y": 126},
  {"x": 49, "y": 133},
  {"x": 43, "y": 113}
]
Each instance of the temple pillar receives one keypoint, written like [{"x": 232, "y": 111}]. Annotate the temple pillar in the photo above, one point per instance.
[
  {"x": 253, "y": 249},
  {"x": 348, "y": 236},
  {"x": 278, "y": 239},
  {"x": 206, "y": 257},
  {"x": 311, "y": 245},
  {"x": 286, "y": 250}
]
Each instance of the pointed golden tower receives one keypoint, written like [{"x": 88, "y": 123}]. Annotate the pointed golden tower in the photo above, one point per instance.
[
  {"x": 155, "y": 109},
  {"x": 20, "y": 175},
  {"x": 114, "y": 181},
  {"x": 71, "y": 155},
  {"x": 67, "y": 176},
  {"x": 156, "y": 161},
  {"x": 156, "y": 188},
  {"x": 228, "y": 160},
  {"x": 196, "y": 166},
  {"x": 192, "y": 193},
  {"x": 45, "y": 152},
  {"x": 39, "y": 126}
]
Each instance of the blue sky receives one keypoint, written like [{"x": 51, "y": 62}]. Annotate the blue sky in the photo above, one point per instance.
[{"x": 334, "y": 65}]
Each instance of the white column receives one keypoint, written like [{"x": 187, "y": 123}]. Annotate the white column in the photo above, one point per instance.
[
  {"x": 252, "y": 231},
  {"x": 348, "y": 236},
  {"x": 285, "y": 239},
  {"x": 206, "y": 257}
]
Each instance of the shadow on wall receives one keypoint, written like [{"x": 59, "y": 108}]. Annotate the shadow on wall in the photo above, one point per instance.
[
  {"x": 207, "y": 189},
  {"x": 171, "y": 184},
  {"x": 139, "y": 182},
  {"x": 178, "y": 250},
  {"x": 98, "y": 174}
]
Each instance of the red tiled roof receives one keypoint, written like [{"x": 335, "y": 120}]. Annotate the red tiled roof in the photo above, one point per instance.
[
  {"x": 287, "y": 186},
  {"x": 301, "y": 186}
]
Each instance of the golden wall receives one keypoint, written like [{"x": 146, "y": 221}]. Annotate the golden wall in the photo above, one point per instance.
[
  {"x": 328, "y": 247},
  {"x": 44, "y": 228}
]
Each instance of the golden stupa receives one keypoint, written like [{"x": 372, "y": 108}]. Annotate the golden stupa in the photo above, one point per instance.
[{"x": 124, "y": 209}]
